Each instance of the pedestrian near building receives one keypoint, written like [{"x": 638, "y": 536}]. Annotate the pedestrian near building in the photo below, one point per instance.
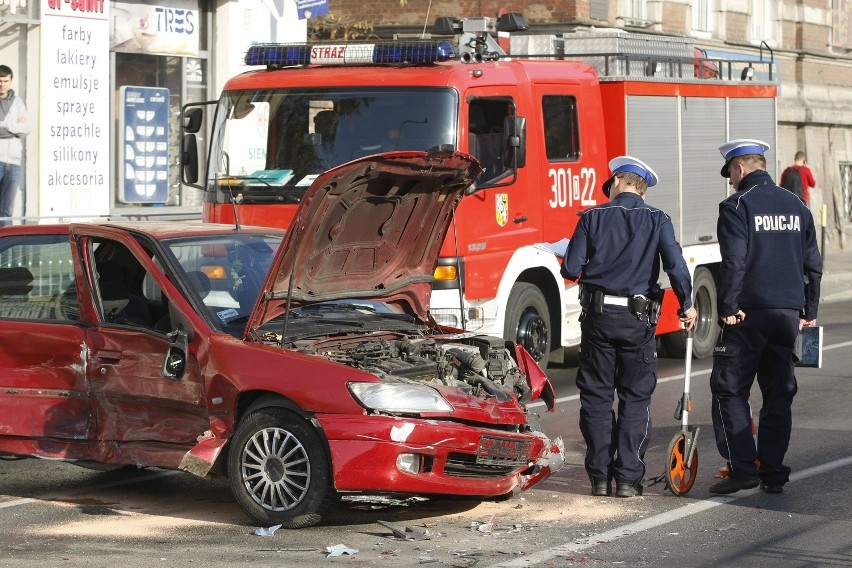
[
  {"x": 798, "y": 178},
  {"x": 14, "y": 126},
  {"x": 616, "y": 252},
  {"x": 769, "y": 283}
]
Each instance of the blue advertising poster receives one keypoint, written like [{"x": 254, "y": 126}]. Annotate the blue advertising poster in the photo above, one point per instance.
[
  {"x": 144, "y": 128},
  {"x": 311, "y": 8}
]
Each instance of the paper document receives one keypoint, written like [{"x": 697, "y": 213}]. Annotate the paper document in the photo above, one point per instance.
[
  {"x": 808, "y": 349},
  {"x": 279, "y": 177},
  {"x": 558, "y": 248}
]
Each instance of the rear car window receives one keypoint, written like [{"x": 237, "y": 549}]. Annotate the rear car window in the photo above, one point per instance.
[{"x": 37, "y": 278}]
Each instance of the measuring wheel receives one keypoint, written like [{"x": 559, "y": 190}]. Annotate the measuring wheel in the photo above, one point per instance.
[{"x": 679, "y": 476}]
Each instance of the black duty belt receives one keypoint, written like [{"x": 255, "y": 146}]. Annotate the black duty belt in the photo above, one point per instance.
[{"x": 639, "y": 304}]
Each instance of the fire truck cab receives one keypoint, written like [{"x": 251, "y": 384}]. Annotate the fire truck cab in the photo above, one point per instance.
[{"x": 542, "y": 113}]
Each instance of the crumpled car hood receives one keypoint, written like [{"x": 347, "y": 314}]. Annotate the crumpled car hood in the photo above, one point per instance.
[{"x": 371, "y": 228}]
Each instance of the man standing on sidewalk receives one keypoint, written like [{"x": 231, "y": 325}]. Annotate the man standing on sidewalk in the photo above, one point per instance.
[
  {"x": 769, "y": 283},
  {"x": 13, "y": 128},
  {"x": 798, "y": 178}
]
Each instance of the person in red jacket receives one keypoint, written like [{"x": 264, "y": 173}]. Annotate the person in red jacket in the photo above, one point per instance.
[{"x": 800, "y": 164}]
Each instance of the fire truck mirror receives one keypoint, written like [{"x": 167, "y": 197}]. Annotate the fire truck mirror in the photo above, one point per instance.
[
  {"x": 515, "y": 128},
  {"x": 192, "y": 120},
  {"x": 189, "y": 159}
]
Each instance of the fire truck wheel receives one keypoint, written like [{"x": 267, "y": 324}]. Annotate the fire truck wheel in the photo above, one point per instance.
[
  {"x": 528, "y": 321},
  {"x": 278, "y": 470},
  {"x": 706, "y": 328}
]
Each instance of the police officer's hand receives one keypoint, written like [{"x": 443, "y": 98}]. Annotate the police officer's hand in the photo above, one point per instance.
[
  {"x": 734, "y": 319},
  {"x": 806, "y": 323},
  {"x": 688, "y": 318}
]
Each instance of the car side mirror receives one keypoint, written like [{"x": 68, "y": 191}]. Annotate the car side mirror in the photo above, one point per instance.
[{"x": 174, "y": 365}]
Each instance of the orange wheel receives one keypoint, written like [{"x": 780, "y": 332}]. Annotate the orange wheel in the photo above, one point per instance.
[{"x": 679, "y": 478}]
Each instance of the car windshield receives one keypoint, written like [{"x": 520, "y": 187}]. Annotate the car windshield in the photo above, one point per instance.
[
  {"x": 225, "y": 273},
  {"x": 273, "y": 143}
]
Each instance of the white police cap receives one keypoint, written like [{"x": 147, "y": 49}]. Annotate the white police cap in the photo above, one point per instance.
[
  {"x": 740, "y": 147},
  {"x": 621, "y": 164}
]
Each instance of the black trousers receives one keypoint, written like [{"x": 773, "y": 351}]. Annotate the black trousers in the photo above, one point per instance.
[
  {"x": 761, "y": 346},
  {"x": 617, "y": 355}
]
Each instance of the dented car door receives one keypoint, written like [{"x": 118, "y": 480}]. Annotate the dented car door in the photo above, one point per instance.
[
  {"x": 143, "y": 414},
  {"x": 43, "y": 395}
]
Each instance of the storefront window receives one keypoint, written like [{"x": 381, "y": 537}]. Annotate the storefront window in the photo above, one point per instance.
[{"x": 157, "y": 70}]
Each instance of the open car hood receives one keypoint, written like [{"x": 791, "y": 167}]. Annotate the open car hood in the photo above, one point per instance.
[{"x": 372, "y": 229}]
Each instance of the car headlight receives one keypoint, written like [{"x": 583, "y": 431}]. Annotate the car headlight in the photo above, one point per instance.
[{"x": 405, "y": 398}]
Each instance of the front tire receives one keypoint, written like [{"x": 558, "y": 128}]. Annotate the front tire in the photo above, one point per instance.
[
  {"x": 528, "y": 321},
  {"x": 279, "y": 471}
]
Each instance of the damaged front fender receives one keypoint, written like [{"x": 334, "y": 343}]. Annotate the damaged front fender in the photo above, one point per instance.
[
  {"x": 540, "y": 385},
  {"x": 549, "y": 463}
]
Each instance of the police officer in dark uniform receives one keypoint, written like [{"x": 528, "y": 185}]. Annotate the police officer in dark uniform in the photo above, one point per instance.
[
  {"x": 616, "y": 251},
  {"x": 769, "y": 282}
]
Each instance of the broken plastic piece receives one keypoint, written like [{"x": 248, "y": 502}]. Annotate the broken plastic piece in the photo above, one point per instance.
[
  {"x": 266, "y": 532},
  {"x": 339, "y": 549},
  {"x": 406, "y": 533}
]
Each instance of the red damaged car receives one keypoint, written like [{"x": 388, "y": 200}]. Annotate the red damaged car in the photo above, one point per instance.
[{"x": 304, "y": 370}]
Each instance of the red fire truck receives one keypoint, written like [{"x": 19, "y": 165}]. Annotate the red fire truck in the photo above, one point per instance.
[{"x": 542, "y": 113}]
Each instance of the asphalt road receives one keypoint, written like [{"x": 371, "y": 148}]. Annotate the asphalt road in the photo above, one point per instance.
[{"x": 56, "y": 514}]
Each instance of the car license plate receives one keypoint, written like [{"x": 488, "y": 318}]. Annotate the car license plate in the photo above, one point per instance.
[{"x": 502, "y": 451}]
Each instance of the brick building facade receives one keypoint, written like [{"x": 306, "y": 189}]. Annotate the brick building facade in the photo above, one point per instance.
[{"x": 811, "y": 41}]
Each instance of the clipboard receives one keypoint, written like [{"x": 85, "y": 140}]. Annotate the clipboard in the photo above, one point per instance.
[
  {"x": 807, "y": 351},
  {"x": 558, "y": 248}
]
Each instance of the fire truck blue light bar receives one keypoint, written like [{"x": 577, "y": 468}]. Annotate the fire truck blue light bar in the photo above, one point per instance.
[{"x": 412, "y": 52}]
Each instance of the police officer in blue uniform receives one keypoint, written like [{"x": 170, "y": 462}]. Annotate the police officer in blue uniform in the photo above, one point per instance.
[
  {"x": 615, "y": 252},
  {"x": 769, "y": 282}
]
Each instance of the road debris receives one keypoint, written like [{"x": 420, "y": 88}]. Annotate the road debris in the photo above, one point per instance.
[
  {"x": 339, "y": 550},
  {"x": 266, "y": 532},
  {"x": 485, "y": 527},
  {"x": 405, "y": 533}
]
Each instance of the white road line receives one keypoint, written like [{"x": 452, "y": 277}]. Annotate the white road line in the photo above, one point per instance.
[
  {"x": 670, "y": 516},
  {"x": 836, "y": 346},
  {"x": 663, "y": 380},
  {"x": 657, "y": 520},
  {"x": 675, "y": 377},
  {"x": 15, "y": 503}
]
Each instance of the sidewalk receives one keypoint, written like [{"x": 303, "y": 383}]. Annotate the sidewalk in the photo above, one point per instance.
[{"x": 837, "y": 274}]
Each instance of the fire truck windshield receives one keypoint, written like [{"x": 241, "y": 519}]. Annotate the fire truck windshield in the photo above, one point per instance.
[{"x": 271, "y": 144}]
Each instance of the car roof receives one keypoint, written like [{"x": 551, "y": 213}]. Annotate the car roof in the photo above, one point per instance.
[{"x": 157, "y": 229}]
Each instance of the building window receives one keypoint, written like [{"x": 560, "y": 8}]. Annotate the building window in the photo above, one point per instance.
[
  {"x": 846, "y": 189},
  {"x": 599, "y": 10},
  {"x": 763, "y": 21},
  {"x": 702, "y": 16},
  {"x": 840, "y": 34},
  {"x": 634, "y": 10}
]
